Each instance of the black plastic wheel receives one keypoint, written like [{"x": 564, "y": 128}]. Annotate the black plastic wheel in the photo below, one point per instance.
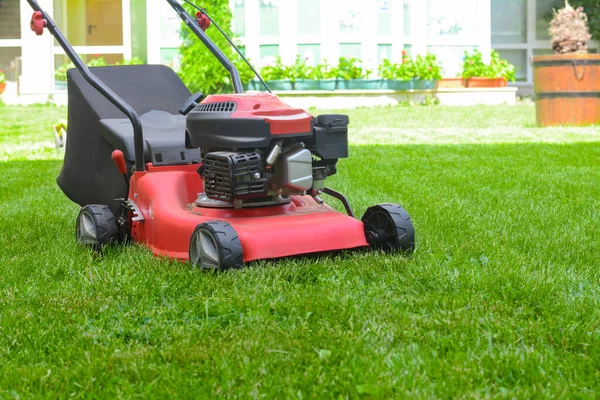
[
  {"x": 96, "y": 226},
  {"x": 216, "y": 245},
  {"x": 388, "y": 227}
]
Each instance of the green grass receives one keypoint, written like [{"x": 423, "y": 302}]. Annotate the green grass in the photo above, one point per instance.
[{"x": 500, "y": 299}]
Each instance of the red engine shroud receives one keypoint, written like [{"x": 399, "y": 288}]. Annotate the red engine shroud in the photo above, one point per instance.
[
  {"x": 282, "y": 118},
  {"x": 165, "y": 196}
]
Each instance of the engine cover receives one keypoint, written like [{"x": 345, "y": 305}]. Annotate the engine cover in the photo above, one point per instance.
[
  {"x": 232, "y": 176},
  {"x": 244, "y": 122},
  {"x": 295, "y": 170}
]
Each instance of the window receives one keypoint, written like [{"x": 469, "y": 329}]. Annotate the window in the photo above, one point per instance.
[
  {"x": 90, "y": 22},
  {"x": 384, "y": 52},
  {"x": 239, "y": 18},
  {"x": 268, "y": 53},
  {"x": 543, "y": 12},
  {"x": 350, "y": 17},
  {"x": 311, "y": 53},
  {"x": 10, "y": 19},
  {"x": 350, "y": 50},
  {"x": 446, "y": 19},
  {"x": 509, "y": 21},
  {"x": 519, "y": 59},
  {"x": 10, "y": 62},
  {"x": 168, "y": 56},
  {"x": 384, "y": 17},
  {"x": 269, "y": 17},
  {"x": 452, "y": 57},
  {"x": 309, "y": 17},
  {"x": 407, "y": 28}
]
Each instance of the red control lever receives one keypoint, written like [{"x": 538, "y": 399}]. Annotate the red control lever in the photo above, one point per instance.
[
  {"x": 119, "y": 159},
  {"x": 202, "y": 20},
  {"x": 38, "y": 23}
]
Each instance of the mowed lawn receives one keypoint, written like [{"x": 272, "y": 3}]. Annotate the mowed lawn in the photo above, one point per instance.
[{"x": 501, "y": 297}]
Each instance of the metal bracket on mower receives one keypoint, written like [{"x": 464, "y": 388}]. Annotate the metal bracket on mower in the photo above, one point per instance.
[
  {"x": 341, "y": 198},
  {"x": 135, "y": 210}
]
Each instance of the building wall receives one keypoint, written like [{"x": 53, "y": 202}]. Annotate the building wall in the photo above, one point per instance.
[{"x": 371, "y": 31}]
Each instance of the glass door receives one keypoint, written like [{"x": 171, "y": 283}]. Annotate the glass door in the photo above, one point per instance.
[{"x": 96, "y": 28}]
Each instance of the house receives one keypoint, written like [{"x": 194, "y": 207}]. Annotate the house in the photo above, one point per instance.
[{"x": 316, "y": 29}]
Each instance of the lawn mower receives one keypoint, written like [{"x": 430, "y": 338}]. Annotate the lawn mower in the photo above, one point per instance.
[{"x": 218, "y": 180}]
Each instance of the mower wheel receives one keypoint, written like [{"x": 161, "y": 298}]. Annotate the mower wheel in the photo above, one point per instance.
[
  {"x": 388, "y": 227},
  {"x": 96, "y": 226},
  {"x": 216, "y": 245}
]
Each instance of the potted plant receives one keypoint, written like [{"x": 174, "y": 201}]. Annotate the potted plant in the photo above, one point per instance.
[
  {"x": 2, "y": 81},
  {"x": 566, "y": 83},
  {"x": 351, "y": 75},
  {"x": 60, "y": 74},
  {"x": 300, "y": 75},
  {"x": 397, "y": 76},
  {"x": 276, "y": 76},
  {"x": 479, "y": 74},
  {"x": 325, "y": 75},
  {"x": 428, "y": 71}
]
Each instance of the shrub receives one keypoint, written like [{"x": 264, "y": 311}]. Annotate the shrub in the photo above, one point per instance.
[
  {"x": 592, "y": 9},
  {"x": 473, "y": 66},
  {"x": 200, "y": 70},
  {"x": 569, "y": 30}
]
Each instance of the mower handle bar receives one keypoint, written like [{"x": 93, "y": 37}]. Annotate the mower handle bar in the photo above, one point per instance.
[
  {"x": 226, "y": 62},
  {"x": 138, "y": 135}
]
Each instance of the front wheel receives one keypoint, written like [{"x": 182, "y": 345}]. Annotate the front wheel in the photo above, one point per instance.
[
  {"x": 388, "y": 227},
  {"x": 216, "y": 245},
  {"x": 96, "y": 226}
]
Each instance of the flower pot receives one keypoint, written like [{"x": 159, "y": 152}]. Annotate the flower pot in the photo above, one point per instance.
[
  {"x": 306, "y": 84},
  {"x": 327, "y": 84},
  {"x": 60, "y": 85},
  {"x": 364, "y": 84},
  {"x": 480, "y": 82},
  {"x": 567, "y": 89},
  {"x": 343, "y": 84},
  {"x": 424, "y": 84},
  {"x": 2, "y": 87},
  {"x": 396, "y": 85},
  {"x": 451, "y": 83},
  {"x": 280, "y": 84},
  {"x": 252, "y": 85}
]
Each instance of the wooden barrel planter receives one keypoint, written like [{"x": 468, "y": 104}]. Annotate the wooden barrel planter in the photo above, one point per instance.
[{"x": 567, "y": 89}]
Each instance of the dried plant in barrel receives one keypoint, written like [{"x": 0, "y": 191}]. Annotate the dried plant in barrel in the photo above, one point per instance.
[
  {"x": 569, "y": 30},
  {"x": 567, "y": 84}
]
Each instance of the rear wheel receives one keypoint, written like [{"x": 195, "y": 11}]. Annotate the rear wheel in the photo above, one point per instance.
[
  {"x": 216, "y": 245},
  {"x": 388, "y": 227},
  {"x": 96, "y": 226}
]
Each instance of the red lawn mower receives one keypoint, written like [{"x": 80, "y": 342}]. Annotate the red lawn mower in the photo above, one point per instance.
[{"x": 219, "y": 180}]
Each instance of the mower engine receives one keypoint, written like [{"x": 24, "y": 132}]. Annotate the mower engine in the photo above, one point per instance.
[{"x": 257, "y": 150}]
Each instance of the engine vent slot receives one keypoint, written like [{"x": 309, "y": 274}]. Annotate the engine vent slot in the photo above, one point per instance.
[
  {"x": 230, "y": 176},
  {"x": 224, "y": 106}
]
